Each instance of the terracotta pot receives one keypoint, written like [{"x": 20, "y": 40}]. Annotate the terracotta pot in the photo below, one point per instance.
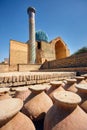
[
  {"x": 64, "y": 83},
  {"x": 35, "y": 90},
  {"x": 19, "y": 122},
  {"x": 70, "y": 85},
  {"x": 83, "y": 105},
  {"x": 65, "y": 114},
  {"x": 9, "y": 108},
  {"x": 56, "y": 84},
  {"x": 85, "y": 77},
  {"x": 82, "y": 91},
  {"x": 38, "y": 88},
  {"x": 22, "y": 93},
  {"x": 80, "y": 79},
  {"x": 4, "y": 93},
  {"x": 55, "y": 87},
  {"x": 4, "y": 96},
  {"x": 37, "y": 107}
]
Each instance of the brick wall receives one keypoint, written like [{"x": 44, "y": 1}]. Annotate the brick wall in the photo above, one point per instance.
[
  {"x": 28, "y": 67},
  {"x": 49, "y": 51},
  {"x": 79, "y": 60},
  {"x": 13, "y": 68},
  {"x": 4, "y": 68},
  {"x": 18, "y": 53}
]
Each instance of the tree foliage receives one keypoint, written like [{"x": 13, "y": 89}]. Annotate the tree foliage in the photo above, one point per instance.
[
  {"x": 82, "y": 50},
  {"x": 41, "y": 36}
]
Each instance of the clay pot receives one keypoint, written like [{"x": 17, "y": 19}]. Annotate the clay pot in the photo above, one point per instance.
[
  {"x": 83, "y": 105},
  {"x": 9, "y": 108},
  {"x": 85, "y": 77},
  {"x": 70, "y": 85},
  {"x": 80, "y": 79},
  {"x": 56, "y": 84},
  {"x": 55, "y": 87},
  {"x": 22, "y": 93},
  {"x": 37, "y": 107},
  {"x": 82, "y": 91},
  {"x": 19, "y": 122},
  {"x": 65, "y": 114},
  {"x": 33, "y": 91},
  {"x": 4, "y": 93},
  {"x": 37, "y": 88}
]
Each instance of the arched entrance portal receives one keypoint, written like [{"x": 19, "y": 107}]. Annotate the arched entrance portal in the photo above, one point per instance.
[{"x": 60, "y": 50}]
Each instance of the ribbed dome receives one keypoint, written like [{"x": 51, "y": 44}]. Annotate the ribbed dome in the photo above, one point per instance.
[{"x": 41, "y": 36}]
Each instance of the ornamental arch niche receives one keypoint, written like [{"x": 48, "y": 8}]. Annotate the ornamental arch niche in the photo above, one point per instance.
[{"x": 60, "y": 50}]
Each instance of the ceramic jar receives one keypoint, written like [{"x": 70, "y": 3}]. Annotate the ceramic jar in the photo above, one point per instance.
[
  {"x": 22, "y": 93},
  {"x": 9, "y": 108},
  {"x": 65, "y": 114},
  {"x": 11, "y": 118},
  {"x": 85, "y": 77},
  {"x": 37, "y": 107},
  {"x": 82, "y": 91},
  {"x": 70, "y": 85},
  {"x": 80, "y": 79},
  {"x": 55, "y": 87}
]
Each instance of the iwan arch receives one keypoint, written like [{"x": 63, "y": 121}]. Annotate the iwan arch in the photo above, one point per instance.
[{"x": 36, "y": 52}]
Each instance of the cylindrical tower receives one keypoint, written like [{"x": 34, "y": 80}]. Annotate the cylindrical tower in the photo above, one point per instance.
[{"x": 31, "y": 13}]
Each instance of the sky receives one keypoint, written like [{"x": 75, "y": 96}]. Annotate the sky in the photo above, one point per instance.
[{"x": 58, "y": 18}]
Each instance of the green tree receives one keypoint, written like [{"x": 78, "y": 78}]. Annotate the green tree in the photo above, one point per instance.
[{"x": 82, "y": 50}]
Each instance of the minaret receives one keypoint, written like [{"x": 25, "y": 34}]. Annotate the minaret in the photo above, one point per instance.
[{"x": 31, "y": 13}]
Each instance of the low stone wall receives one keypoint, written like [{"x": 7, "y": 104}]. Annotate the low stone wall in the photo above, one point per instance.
[
  {"x": 14, "y": 79},
  {"x": 19, "y": 67},
  {"x": 28, "y": 67},
  {"x": 13, "y": 68},
  {"x": 4, "y": 68},
  {"x": 74, "y": 61},
  {"x": 81, "y": 70}
]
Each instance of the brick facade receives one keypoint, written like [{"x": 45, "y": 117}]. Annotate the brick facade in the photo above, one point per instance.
[
  {"x": 20, "y": 52},
  {"x": 74, "y": 61}
]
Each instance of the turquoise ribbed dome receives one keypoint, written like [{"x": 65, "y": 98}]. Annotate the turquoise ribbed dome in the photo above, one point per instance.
[{"x": 41, "y": 36}]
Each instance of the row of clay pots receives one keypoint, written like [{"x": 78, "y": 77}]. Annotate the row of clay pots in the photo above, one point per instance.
[
  {"x": 10, "y": 116},
  {"x": 70, "y": 113},
  {"x": 24, "y": 92},
  {"x": 79, "y": 86},
  {"x": 35, "y": 97},
  {"x": 69, "y": 85},
  {"x": 38, "y": 103}
]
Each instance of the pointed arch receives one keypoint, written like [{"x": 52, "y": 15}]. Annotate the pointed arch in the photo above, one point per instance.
[{"x": 60, "y": 50}]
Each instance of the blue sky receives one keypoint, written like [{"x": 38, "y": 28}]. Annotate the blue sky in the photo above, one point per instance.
[{"x": 64, "y": 18}]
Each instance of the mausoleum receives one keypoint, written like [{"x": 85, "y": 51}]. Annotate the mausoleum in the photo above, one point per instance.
[{"x": 35, "y": 50}]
